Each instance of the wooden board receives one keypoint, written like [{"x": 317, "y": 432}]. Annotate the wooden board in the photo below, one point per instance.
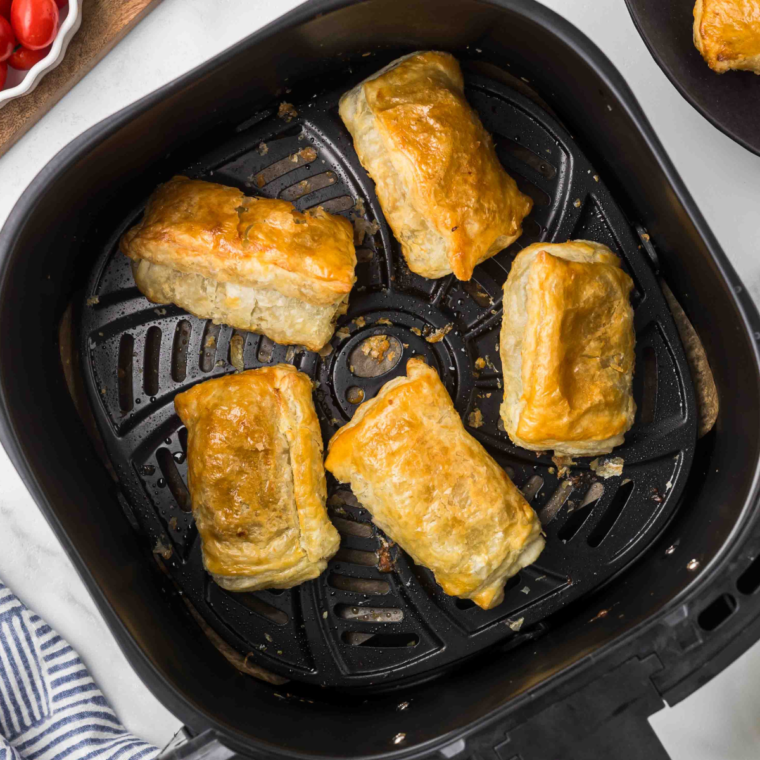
[{"x": 104, "y": 23}]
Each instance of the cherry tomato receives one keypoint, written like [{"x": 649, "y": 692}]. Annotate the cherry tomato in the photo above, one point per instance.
[
  {"x": 5, "y": 8},
  {"x": 23, "y": 59},
  {"x": 3, "y": 73},
  {"x": 35, "y": 22},
  {"x": 61, "y": 3},
  {"x": 7, "y": 39}
]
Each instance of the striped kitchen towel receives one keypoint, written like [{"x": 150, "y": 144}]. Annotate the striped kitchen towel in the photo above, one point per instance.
[{"x": 50, "y": 708}]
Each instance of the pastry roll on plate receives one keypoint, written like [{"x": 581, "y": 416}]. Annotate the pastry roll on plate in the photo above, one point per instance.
[
  {"x": 256, "y": 478},
  {"x": 443, "y": 191},
  {"x": 434, "y": 489},
  {"x": 567, "y": 349},
  {"x": 727, "y": 34},
  {"x": 253, "y": 263}
]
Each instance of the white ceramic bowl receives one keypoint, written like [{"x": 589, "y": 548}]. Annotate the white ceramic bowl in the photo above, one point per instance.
[{"x": 21, "y": 82}]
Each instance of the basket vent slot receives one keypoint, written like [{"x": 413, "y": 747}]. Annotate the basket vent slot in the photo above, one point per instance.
[
  {"x": 369, "y": 614},
  {"x": 395, "y": 640},
  {"x": 152, "y": 360},
  {"x": 173, "y": 479},
  {"x": 308, "y": 185},
  {"x": 336, "y": 205},
  {"x": 359, "y": 585},
  {"x": 749, "y": 581},
  {"x": 581, "y": 513},
  {"x": 556, "y": 502},
  {"x": 532, "y": 487},
  {"x": 649, "y": 386},
  {"x": 182, "y": 335},
  {"x": 351, "y": 527},
  {"x": 208, "y": 346},
  {"x": 356, "y": 557},
  {"x": 716, "y": 613},
  {"x": 266, "y": 350},
  {"x": 611, "y": 514},
  {"x": 124, "y": 371},
  {"x": 260, "y": 607}
]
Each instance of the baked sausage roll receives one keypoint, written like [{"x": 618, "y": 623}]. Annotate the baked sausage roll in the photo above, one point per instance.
[
  {"x": 253, "y": 263},
  {"x": 727, "y": 34},
  {"x": 256, "y": 478},
  {"x": 567, "y": 349},
  {"x": 434, "y": 489},
  {"x": 443, "y": 191}
]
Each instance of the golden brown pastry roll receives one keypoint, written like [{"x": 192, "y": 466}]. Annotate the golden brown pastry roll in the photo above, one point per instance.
[
  {"x": 253, "y": 263},
  {"x": 256, "y": 478},
  {"x": 434, "y": 489},
  {"x": 727, "y": 33},
  {"x": 443, "y": 191},
  {"x": 566, "y": 349}
]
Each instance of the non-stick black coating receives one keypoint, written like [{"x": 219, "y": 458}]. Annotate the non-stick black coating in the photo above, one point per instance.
[
  {"x": 731, "y": 101},
  {"x": 130, "y": 350}
]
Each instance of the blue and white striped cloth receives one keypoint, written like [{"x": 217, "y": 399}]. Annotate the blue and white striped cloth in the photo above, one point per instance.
[{"x": 50, "y": 708}]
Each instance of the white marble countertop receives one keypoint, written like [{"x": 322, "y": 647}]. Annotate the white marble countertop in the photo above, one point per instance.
[{"x": 722, "y": 720}]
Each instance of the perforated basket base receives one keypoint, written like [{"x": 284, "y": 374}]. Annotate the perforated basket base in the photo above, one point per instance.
[{"x": 357, "y": 626}]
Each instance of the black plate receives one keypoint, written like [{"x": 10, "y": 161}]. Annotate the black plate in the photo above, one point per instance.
[{"x": 731, "y": 101}]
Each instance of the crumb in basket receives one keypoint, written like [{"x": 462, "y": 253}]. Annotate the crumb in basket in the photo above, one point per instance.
[
  {"x": 237, "y": 344},
  {"x": 376, "y": 347},
  {"x": 438, "y": 335},
  {"x": 607, "y": 468},
  {"x": 360, "y": 321},
  {"x": 93, "y": 301},
  {"x": 480, "y": 363},
  {"x": 287, "y": 111},
  {"x": 475, "y": 419},
  {"x": 263, "y": 149},
  {"x": 384, "y": 321},
  {"x": 307, "y": 154},
  {"x": 362, "y": 228}
]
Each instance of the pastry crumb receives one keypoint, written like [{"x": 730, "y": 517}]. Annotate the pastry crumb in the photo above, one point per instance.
[
  {"x": 577, "y": 203},
  {"x": 359, "y": 207},
  {"x": 93, "y": 301},
  {"x": 383, "y": 321},
  {"x": 287, "y": 111},
  {"x": 363, "y": 228},
  {"x": 308, "y": 153},
  {"x": 385, "y": 560},
  {"x": 376, "y": 347},
  {"x": 475, "y": 419},
  {"x": 607, "y": 468},
  {"x": 438, "y": 335},
  {"x": 173, "y": 524},
  {"x": 563, "y": 465},
  {"x": 326, "y": 350},
  {"x": 162, "y": 549},
  {"x": 324, "y": 615},
  {"x": 160, "y": 312},
  {"x": 360, "y": 321},
  {"x": 515, "y": 625},
  {"x": 210, "y": 342},
  {"x": 596, "y": 178},
  {"x": 417, "y": 331},
  {"x": 343, "y": 333},
  {"x": 480, "y": 363},
  {"x": 263, "y": 149}
]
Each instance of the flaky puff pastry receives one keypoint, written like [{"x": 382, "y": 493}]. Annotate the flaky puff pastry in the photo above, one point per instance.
[
  {"x": 443, "y": 191},
  {"x": 253, "y": 263},
  {"x": 567, "y": 349},
  {"x": 256, "y": 478},
  {"x": 434, "y": 489},
  {"x": 727, "y": 34}
]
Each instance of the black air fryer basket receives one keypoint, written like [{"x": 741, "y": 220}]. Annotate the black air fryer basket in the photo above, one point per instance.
[{"x": 647, "y": 586}]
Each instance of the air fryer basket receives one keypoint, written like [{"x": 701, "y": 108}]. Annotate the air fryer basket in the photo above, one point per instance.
[{"x": 588, "y": 672}]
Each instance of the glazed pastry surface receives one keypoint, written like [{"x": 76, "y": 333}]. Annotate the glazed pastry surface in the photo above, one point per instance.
[
  {"x": 727, "y": 34},
  {"x": 434, "y": 489},
  {"x": 567, "y": 349},
  {"x": 447, "y": 198},
  {"x": 256, "y": 478},
  {"x": 254, "y": 263}
]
